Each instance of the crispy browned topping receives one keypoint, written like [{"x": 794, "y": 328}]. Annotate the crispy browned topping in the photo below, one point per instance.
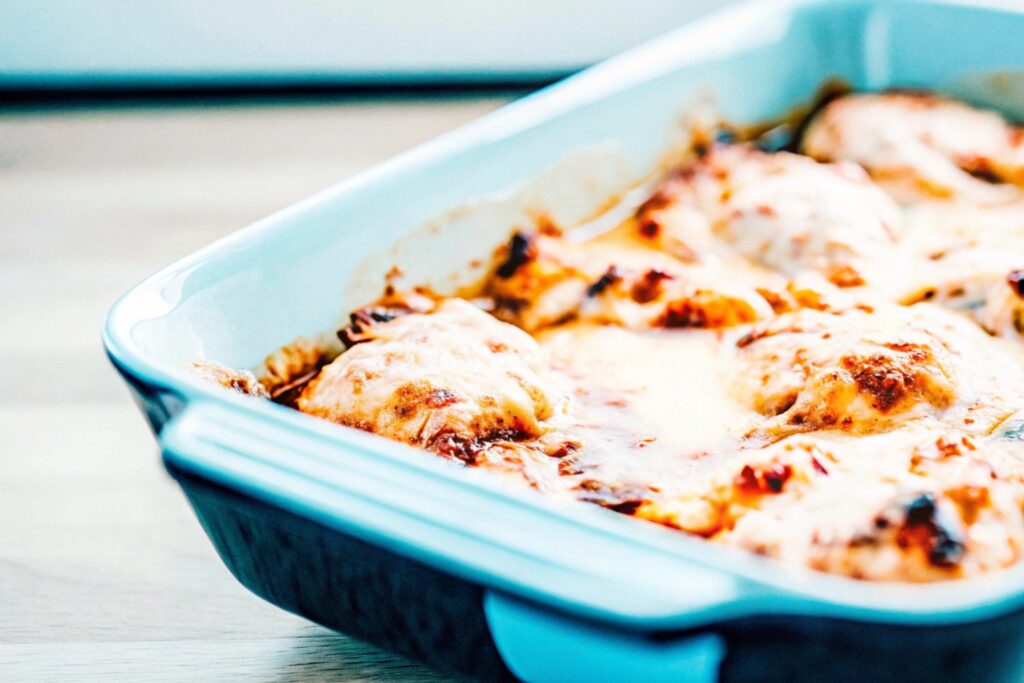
[
  {"x": 1016, "y": 281},
  {"x": 926, "y": 528},
  {"x": 650, "y": 286},
  {"x": 619, "y": 497},
  {"x": 517, "y": 253},
  {"x": 287, "y": 371},
  {"x": 469, "y": 450},
  {"x": 706, "y": 309},
  {"x": 890, "y": 379},
  {"x": 766, "y": 479},
  {"x": 610, "y": 277},
  {"x": 392, "y": 305}
]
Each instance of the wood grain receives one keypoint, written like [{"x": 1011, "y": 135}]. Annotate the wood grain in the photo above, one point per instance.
[{"x": 104, "y": 571}]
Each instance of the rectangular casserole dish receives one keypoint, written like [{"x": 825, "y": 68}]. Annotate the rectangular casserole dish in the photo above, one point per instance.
[{"x": 371, "y": 538}]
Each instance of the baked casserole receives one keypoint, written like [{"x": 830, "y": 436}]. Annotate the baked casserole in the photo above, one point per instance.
[{"x": 811, "y": 350}]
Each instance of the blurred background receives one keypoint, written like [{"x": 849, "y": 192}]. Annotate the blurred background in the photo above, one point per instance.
[
  {"x": 102, "y": 44},
  {"x": 131, "y": 134}
]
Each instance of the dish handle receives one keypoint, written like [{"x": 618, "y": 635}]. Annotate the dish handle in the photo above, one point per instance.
[{"x": 539, "y": 645}]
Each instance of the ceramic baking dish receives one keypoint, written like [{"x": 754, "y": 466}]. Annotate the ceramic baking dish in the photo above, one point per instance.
[{"x": 442, "y": 564}]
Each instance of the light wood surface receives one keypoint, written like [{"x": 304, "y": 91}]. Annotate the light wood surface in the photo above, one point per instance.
[{"x": 104, "y": 571}]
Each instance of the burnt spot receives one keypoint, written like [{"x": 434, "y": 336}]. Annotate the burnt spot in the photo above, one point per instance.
[
  {"x": 924, "y": 527},
  {"x": 683, "y": 313},
  {"x": 610, "y": 277},
  {"x": 519, "y": 251},
  {"x": 362, "y": 320},
  {"x": 926, "y": 294},
  {"x": 650, "y": 286},
  {"x": 920, "y": 510},
  {"x": 746, "y": 480},
  {"x": 783, "y": 404},
  {"x": 889, "y": 380},
  {"x": 771, "y": 478},
  {"x": 468, "y": 449},
  {"x": 647, "y": 225},
  {"x": 1016, "y": 281},
  {"x": 946, "y": 551},
  {"x": 980, "y": 168},
  {"x": 662, "y": 198},
  {"x": 649, "y": 228},
  {"x": 454, "y": 447},
  {"x": 516, "y": 433},
  {"x": 564, "y": 449},
  {"x": 623, "y": 498},
  {"x": 776, "y": 476},
  {"x": 288, "y": 394},
  {"x": 705, "y": 309},
  {"x": 887, "y": 386},
  {"x": 569, "y": 467},
  {"x": 243, "y": 385},
  {"x": 508, "y": 308}
]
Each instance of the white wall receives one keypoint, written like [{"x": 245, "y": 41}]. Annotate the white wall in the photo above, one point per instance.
[{"x": 74, "y": 41}]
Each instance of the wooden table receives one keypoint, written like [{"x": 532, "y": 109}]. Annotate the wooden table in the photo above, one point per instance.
[{"x": 104, "y": 571}]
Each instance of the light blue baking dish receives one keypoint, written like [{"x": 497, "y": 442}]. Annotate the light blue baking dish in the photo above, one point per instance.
[{"x": 373, "y": 538}]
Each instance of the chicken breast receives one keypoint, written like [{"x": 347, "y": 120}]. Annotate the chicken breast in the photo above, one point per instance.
[
  {"x": 862, "y": 372},
  {"x": 783, "y": 211},
  {"x": 543, "y": 281},
  {"x": 922, "y": 146},
  {"x": 452, "y": 380}
]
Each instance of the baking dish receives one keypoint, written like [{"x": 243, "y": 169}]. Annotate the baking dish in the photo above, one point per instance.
[{"x": 369, "y": 537}]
